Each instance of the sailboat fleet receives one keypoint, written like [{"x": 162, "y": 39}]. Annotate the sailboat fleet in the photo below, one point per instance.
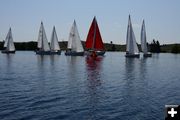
[
  {"x": 94, "y": 46},
  {"x": 132, "y": 50},
  {"x": 43, "y": 45}
]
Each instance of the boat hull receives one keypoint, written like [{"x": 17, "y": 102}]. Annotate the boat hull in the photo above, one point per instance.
[
  {"x": 8, "y": 52},
  {"x": 43, "y": 52},
  {"x": 55, "y": 52},
  {"x": 48, "y": 52},
  {"x": 147, "y": 55},
  {"x": 132, "y": 55},
  {"x": 100, "y": 53},
  {"x": 73, "y": 53},
  {"x": 97, "y": 53}
]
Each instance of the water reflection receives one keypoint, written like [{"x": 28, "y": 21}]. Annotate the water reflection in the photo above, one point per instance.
[
  {"x": 9, "y": 58},
  {"x": 54, "y": 59},
  {"x": 93, "y": 69},
  {"x": 143, "y": 68},
  {"x": 73, "y": 60},
  {"x": 72, "y": 63},
  {"x": 94, "y": 81},
  {"x": 136, "y": 92},
  {"x": 131, "y": 68},
  {"x": 9, "y": 62},
  {"x": 131, "y": 75},
  {"x": 41, "y": 59}
]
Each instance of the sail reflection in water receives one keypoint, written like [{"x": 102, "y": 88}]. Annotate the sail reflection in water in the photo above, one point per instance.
[
  {"x": 136, "y": 92},
  {"x": 8, "y": 58},
  {"x": 94, "y": 86},
  {"x": 75, "y": 88},
  {"x": 93, "y": 68}
]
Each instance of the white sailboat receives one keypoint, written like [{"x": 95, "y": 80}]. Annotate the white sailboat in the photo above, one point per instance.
[
  {"x": 74, "y": 47},
  {"x": 131, "y": 45},
  {"x": 9, "y": 44},
  {"x": 55, "y": 48},
  {"x": 144, "y": 42},
  {"x": 43, "y": 45}
]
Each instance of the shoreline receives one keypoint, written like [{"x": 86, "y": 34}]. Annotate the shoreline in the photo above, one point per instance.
[{"x": 32, "y": 46}]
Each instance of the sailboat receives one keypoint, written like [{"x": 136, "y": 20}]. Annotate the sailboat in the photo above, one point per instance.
[
  {"x": 143, "y": 41},
  {"x": 74, "y": 47},
  {"x": 9, "y": 44},
  {"x": 54, "y": 45},
  {"x": 94, "y": 44},
  {"x": 131, "y": 45},
  {"x": 43, "y": 45}
]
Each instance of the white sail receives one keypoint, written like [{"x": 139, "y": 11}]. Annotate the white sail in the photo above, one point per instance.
[
  {"x": 131, "y": 45},
  {"x": 54, "y": 41},
  {"x": 7, "y": 39},
  {"x": 69, "y": 46},
  {"x": 74, "y": 42},
  {"x": 42, "y": 39},
  {"x": 9, "y": 44},
  {"x": 143, "y": 39}
]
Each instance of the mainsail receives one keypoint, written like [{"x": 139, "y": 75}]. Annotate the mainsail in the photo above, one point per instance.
[
  {"x": 9, "y": 44},
  {"x": 54, "y": 41},
  {"x": 94, "y": 40},
  {"x": 74, "y": 42},
  {"x": 42, "y": 39},
  {"x": 143, "y": 39},
  {"x": 131, "y": 45}
]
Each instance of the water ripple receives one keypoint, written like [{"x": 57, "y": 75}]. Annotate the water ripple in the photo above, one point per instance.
[{"x": 108, "y": 88}]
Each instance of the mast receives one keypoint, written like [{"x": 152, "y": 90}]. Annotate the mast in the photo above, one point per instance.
[
  {"x": 71, "y": 34},
  {"x": 42, "y": 46},
  {"x": 94, "y": 37},
  {"x": 128, "y": 35},
  {"x": 40, "y": 37},
  {"x": 8, "y": 41},
  {"x": 73, "y": 37},
  {"x": 143, "y": 39}
]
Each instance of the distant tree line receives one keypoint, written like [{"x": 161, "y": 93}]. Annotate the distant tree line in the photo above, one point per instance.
[
  {"x": 155, "y": 46},
  {"x": 175, "y": 48},
  {"x": 113, "y": 47}
]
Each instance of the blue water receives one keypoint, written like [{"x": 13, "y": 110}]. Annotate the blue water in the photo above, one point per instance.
[{"x": 75, "y": 88}]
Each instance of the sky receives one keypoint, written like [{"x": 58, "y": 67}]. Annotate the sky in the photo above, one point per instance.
[{"x": 162, "y": 18}]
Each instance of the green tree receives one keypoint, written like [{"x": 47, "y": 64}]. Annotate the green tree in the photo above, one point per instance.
[{"x": 175, "y": 49}]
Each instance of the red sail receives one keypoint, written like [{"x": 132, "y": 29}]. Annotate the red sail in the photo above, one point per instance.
[{"x": 94, "y": 40}]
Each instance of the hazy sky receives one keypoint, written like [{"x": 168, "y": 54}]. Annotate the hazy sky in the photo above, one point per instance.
[{"x": 162, "y": 18}]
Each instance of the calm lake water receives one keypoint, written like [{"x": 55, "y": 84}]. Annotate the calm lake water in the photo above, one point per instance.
[{"x": 36, "y": 87}]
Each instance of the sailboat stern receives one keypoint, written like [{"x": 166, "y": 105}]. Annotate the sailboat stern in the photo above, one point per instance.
[
  {"x": 8, "y": 52},
  {"x": 135, "y": 55},
  {"x": 74, "y": 53}
]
